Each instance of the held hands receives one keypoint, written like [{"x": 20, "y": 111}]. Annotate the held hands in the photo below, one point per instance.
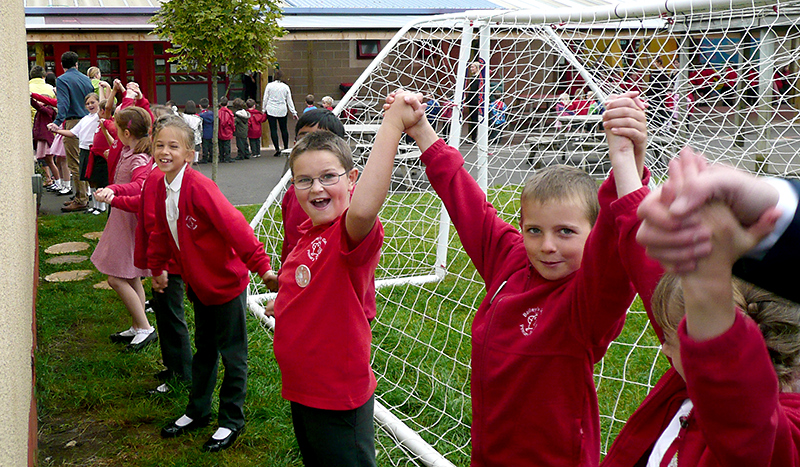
[
  {"x": 104, "y": 195},
  {"x": 404, "y": 110},
  {"x": 52, "y": 127},
  {"x": 626, "y": 126},
  {"x": 270, "y": 280},
  {"x": 673, "y": 231},
  {"x": 160, "y": 282}
]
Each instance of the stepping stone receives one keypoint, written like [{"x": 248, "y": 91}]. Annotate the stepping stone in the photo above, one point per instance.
[
  {"x": 68, "y": 247},
  {"x": 92, "y": 235},
  {"x": 68, "y": 276},
  {"x": 102, "y": 286},
  {"x": 66, "y": 259}
]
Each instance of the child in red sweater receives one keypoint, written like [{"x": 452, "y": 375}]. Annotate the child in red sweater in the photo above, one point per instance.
[
  {"x": 254, "y": 131},
  {"x": 324, "y": 352},
  {"x": 215, "y": 247},
  {"x": 557, "y": 293},
  {"x": 227, "y": 125},
  {"x": 729, "y": 399}
]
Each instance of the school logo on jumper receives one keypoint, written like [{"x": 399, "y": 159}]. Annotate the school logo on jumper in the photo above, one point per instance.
[
  {"x": 316, "y": 248},
  {"x": 530, "y": 316},
  {"x": 191, "y": 222},
  {"x": 302, "y": 275}
]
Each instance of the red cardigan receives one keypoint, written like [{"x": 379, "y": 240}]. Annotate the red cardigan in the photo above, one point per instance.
[
  {"x": 535, "y": 342},
  {"x": 227, "y": 124},
  {"x": 739, "y": 417},
  {"x": 257, "y": 117},
  {"x": 217, "y": 245}
]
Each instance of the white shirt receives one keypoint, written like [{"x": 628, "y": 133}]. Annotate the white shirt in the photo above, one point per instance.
[
  {"x": 787, "y": 204},
  {"x": 85, "y": 130},
  {"x": 277, "y": 96},
  {"x": 173, "y": 195},
  {"x": 668, "y": 436},
  {"x": 196, "y": 124}
]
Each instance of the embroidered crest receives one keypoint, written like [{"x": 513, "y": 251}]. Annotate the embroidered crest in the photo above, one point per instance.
[
  {"x": 191, "y": 222},
  {"x": 531, "y": 316},
  {"x": 316, "y": 248},
  {"x": 302, "y": 275}
]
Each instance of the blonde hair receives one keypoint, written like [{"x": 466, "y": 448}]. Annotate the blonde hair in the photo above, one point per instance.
[
  {"x": 563, "y": 183},
  {"x": 93, "y": 72},
  {"x": 778, "y": 320},
  {"x": 327, "y": 101},
  {"x": 185, "y": 132}
]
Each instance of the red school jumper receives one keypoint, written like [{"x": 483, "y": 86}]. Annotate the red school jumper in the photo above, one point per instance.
[
  {"x": 535, "y": 341},
  {"x": 739, "y": 419},
  {"x": 257, "y": 117},
  {"x": 323, "y": 313},
  {"x": 227, "y": 124},
  {"x": 218, "y": 246},
  {"x": 293, "y": 216}
]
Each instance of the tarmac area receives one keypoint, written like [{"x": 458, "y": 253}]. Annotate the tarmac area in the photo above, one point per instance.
[{"x": 243, "y": 182}]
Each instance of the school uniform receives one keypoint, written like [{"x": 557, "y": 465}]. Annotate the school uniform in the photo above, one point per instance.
[
  {"x": 254, "y": 131},
  {"x": 225, "y": 134},
  {"x": 535, "y": 341},
  {"x": 739, "y": 418},
  {"x": 323, "y": 337},
  {"x": 215, "y": 247},
  {"x": 293, "y": 216}
]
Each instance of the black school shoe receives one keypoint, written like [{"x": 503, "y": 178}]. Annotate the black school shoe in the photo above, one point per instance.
[
  {"x": 172, "y": 430},
  {"x": 216, "y": 445}
]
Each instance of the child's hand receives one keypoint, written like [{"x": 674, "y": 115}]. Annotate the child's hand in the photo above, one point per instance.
[
  {"x": 269, "y": 308},
  {"x": 625, "y": 125},
  {"x": 104, "y": 195},
  {"x": 52, "y": 127},
  {"x": 270, "y": 280},
  {"x": 404, "y": 109},
  {"x": 160, "y": 282},
  {"x": 118, "y": 86}
]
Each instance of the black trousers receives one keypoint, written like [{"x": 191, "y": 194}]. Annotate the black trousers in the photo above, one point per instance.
[
  {"x": 224, "y": 150},
  {"x": 255, "y": 146},
  {"x": 274, "y": 122},
  {"x": 207, "y": 151},
  {"x": 335, "y": 438},
  {"x": 173, "y": 334},
  {"x": 242, "y": 148},
  {"x": 220, "y": 331}
]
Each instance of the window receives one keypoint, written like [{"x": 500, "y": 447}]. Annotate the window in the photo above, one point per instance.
[{"x": 366, "y": 49}]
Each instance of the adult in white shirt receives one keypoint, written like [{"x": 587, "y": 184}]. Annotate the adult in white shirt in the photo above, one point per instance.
[{"x": 277, "y": 104}]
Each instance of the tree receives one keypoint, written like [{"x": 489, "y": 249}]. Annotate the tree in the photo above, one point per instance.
[{"x": 231, "y": 36}]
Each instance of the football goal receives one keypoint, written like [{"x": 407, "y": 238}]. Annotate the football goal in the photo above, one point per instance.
[{"x": 516, "y": 91}]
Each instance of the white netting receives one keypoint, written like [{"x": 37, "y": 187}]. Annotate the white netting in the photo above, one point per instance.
[{"x": 728, "y": 88}]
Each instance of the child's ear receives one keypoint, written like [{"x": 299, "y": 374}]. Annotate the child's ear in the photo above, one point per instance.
[{"x": 352, "y": 176}]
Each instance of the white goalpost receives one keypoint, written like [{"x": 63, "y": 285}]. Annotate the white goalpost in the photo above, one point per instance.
[{"x": 728, "y": 87}]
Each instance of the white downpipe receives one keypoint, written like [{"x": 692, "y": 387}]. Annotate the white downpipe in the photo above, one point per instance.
[{"x": 408, "y": 439}]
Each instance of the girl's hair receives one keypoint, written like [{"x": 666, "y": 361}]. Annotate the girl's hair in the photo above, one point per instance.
[
  {"x": 778, "y": 320},
  {"x": 323, "y": 141},
  {"x": 161, "y": 110},
  {"x": 190, "y": 108},
  {"x": 185, "y": 132},
  {"x": 93, "y": 72},
  {"x": 137, "y": 121},
  {"x": 90, "y": 96}
]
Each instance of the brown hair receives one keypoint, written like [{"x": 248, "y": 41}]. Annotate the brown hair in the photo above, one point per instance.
[
  {"x": 137, "y": 121},
  {"x": 563, "y": 183},
  {"x": 323, "y": 141},
  {"x": 778, "y": 320},
  {"x": 174, "y": 121},
  {"x": 91, "y": 95}
]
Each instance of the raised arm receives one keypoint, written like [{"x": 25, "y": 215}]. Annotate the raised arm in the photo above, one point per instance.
[
  {"x": 373, "y": 187},
  {"x": 626, "y": 131}
]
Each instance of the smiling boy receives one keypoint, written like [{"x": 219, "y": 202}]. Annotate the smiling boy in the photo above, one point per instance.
[{"x": 556, "y": 293}]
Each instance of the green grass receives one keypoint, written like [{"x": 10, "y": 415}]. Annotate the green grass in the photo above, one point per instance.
[{"x": 90, "y": 391}]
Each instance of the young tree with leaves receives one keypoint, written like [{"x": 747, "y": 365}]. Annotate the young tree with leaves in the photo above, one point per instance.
[{"x": 231, "y": 35}]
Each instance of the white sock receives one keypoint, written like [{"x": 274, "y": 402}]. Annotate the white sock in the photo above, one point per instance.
[
  {"x": 68, "y": 184},
  {"x": 183, "y": 421},
  {"x": 142, "y": 334},
  {"x": 102, "y": 207},
  {"x": 222, "y": 433}
]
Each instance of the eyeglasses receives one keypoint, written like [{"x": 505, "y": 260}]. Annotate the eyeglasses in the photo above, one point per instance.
[{"x": 328, "y": 179}]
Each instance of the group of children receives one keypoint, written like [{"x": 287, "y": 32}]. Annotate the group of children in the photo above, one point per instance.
[{"x": 558, "y": 286}]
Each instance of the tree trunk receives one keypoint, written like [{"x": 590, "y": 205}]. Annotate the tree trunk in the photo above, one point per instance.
[{"x": 215, "y": 135}]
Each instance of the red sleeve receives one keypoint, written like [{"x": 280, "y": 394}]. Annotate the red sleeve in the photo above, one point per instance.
[
  {"x": 159, "y": 241},
  {"x": 134, "y": 187},
  {"x": 602, "y": 291},
  {"x": 737, "y": 404},
  {"x": 145, "y": 104},
  {"x": 643, "y": 271},
  {"x": 232, "y": 225},
  {"x": 486, "y": 238},
  {"x": 45, "y": 99}
]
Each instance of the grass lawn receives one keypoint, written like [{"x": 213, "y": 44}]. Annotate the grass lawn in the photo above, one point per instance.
[{"x": 94, "y": 409}]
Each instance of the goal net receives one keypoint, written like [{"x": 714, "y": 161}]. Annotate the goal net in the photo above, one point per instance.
[{"x": 720, "y": 76}]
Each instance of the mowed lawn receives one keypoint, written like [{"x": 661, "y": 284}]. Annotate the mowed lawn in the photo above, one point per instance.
[{"x": 95, "y": 410}]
